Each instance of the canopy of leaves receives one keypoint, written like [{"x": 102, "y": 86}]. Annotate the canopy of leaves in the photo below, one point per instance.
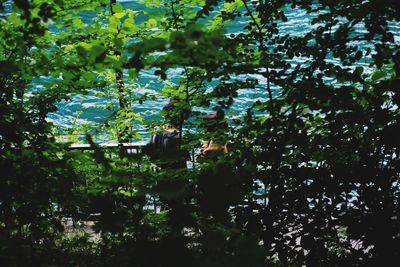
[{"x": 312, "y": 173}]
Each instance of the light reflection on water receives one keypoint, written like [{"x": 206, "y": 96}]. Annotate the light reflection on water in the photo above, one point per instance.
[
  {"x": 297, "y": 25},
  {"x": 150, "y": 109}
]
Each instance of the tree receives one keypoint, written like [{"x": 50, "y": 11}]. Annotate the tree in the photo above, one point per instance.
[
  {"x": 35, "y": 180},
  {"x": 312, "y": 175}
]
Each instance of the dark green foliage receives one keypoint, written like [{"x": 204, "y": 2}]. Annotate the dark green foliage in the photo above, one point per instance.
[
  {"x": 35, "y": 179},
  {"x": 312, "y": 173}
]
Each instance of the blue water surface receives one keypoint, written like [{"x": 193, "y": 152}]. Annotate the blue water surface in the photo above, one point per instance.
[{"x": 89, "y": 109}]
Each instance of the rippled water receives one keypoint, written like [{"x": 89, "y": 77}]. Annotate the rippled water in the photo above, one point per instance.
[
  {"x": 150, "y": 83},
  {"x": 88, "y": 106}
]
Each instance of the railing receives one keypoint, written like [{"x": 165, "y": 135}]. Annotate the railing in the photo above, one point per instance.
[
  {"x": 128, "y": 146},
  {"x": 132, "y": 148}
]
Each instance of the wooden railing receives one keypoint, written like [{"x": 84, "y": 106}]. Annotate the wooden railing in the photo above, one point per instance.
[{"x": 128, "y": 147}]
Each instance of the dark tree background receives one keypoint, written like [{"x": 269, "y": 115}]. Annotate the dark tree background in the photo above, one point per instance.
[{"x": 312, "y": 173}]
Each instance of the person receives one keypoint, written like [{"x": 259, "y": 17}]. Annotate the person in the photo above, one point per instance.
[
  {"x": 165, "y": 146},
  {"x": 217, "y": 183},
  {"x": 215, "y": 175},
  {"x": 171, "y": 186},
  {"x": 214, "y": 125}
]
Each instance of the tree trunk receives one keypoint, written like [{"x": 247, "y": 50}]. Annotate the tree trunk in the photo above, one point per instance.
[{"x": 122, "y": 135}]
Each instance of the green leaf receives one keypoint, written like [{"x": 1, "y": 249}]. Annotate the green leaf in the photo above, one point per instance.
[
  {"x": 129, "y": 26},
  {"x": 97, "y": 50},
  {"x": 116, "y": 8},
  {"x": 359, "y": 70},
  {"x": 119, "y": 15},
  {"x": 78, "y": 23},
  {"x": 151, "y": 23},
  {"x": 114, "y": 23},
  {"x": 378, "y": 74},
  {"x": 89, "y": 76}
]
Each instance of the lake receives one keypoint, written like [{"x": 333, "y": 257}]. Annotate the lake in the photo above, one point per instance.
[{"x": 89, "y": 109}]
